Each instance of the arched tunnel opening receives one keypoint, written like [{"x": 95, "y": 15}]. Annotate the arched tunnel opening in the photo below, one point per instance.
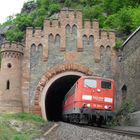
[{"x": 55, "y": 96}]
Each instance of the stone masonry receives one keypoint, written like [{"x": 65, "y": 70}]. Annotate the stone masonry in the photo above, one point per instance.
[
  {"x": 129, "y": 78},
  {"x": 66, "y": 43}
]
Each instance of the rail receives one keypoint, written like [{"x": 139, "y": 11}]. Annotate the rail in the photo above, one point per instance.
[{"x": 113, "y": 130}]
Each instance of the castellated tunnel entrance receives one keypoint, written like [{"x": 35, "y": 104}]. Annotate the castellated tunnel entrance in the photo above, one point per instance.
[{"x": 55, "y": 96}]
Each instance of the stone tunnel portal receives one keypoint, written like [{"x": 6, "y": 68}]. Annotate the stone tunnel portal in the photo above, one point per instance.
[{"x": 55, "y": 96}]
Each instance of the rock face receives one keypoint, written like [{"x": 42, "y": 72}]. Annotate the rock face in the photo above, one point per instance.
[
  {"x": 28, "y": 7},
  {"x": 135, "y": 119},
  {"x": 2, "y": 37}
]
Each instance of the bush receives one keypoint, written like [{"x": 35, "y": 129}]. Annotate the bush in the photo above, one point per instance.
[
  {"x": 23, "y": 21},
  {"x": 118, "y": 45},
  {"x": 92, "y": 12},
  {"x": 54, "y": 8},
  {"x": 135, "y": 18},
  {"x": 127, "y": 107},
  {"x": 68, "y": 3},
  {"x": 122, "y": 117},
  {"x": 20, "y": 126},
  {"x": 14, "y": 35}
]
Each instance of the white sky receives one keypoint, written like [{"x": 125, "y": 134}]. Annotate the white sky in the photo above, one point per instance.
[{"x": 10, "y": 7}]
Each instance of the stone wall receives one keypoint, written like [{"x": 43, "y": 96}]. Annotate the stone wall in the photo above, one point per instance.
[
  {"x": 65, "y": 40},
  {"x": 66, "y": 43},
  {"x": 130, "y": 69}
]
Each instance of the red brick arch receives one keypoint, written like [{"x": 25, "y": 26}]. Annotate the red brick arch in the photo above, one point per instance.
[{"x": 36, "y": 109}]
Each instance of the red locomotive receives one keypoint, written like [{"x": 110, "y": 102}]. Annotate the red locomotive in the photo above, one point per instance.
[{"x": 90, "y": 100}]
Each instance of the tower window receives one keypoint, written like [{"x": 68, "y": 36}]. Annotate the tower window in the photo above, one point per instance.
[
  {"x": 8, "y": 85},
  {"x": 9, "y": 65}
]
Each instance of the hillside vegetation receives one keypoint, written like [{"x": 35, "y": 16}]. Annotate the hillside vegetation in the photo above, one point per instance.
[
  {"x": 120, "y": 15},
  {"x": 21, "y": 126}
]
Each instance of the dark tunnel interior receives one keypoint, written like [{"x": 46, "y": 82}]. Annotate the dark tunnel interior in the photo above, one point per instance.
[{"x": 55, "y": 96}]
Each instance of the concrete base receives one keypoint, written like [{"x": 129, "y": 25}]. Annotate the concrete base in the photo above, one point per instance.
[{"x": 135, "y": 119}]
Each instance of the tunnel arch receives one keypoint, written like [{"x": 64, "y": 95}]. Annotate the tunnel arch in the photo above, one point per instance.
[
  {"x": 56, "y": 74},
  {"x": 47, "y": 99}
]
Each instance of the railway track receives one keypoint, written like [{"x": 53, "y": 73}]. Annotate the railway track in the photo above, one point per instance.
[
  {"x": 120, "y": 132},
  {"x": 115, "y": 131}
]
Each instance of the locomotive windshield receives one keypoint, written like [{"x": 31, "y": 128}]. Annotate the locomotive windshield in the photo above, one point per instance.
[
  {"x": 90, "y": 83},
  {"x": 106, "y": 84}
]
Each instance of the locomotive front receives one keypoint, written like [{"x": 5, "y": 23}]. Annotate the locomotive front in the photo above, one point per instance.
[{"x": 92, "y": 101}]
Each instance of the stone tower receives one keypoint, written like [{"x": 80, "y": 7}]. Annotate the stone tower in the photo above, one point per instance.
[{"x": 10, "y": 87}]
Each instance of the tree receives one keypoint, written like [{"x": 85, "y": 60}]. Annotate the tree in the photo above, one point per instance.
[
  {"x": 136, "y": 18},
  {"x": 43, "y": 4},
  {"x": 68, "y": 3},
  {"x": 54, "y": 8},
  {"x": 92, "y": 12},
  {"x": 23, "y": 21},
  {"x": 14, "y": 35}
]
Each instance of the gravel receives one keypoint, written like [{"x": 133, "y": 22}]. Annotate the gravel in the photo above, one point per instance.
[{"x": 67, "y": 131}]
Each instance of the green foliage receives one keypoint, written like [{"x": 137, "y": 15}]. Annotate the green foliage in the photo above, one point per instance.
[
  {"x": 125, "y": 21},
  {"x": 54, "y": 8},
  {"x": 122, "y": 117},
  {"x": 114, "y": 6},
  {"x": 111, "y": 22},
  {"x": 68, "y": 3},
  {"x": 43, "y": 4},
  {"x": 38, "y": 22},
  {"x": 23, "y": 21},
  {"x": 14, "y": 35},
  {"x": 118, "y": 45},
  {"x": 20, "y": 136},
  {"x": 92, "y": 12},
  {"x": 24, "y": 117},
  {"x": 9, "y": 123},
  {"x": 121, "y": 15},
  {"x": 127, "y": 107},
  {"x": 135, "y": 18}
]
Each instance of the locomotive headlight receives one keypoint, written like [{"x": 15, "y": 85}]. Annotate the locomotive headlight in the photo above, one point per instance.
[
  {"x": 88, "y": 105},
  {"x": 98, "y": 90},
  {"x": 106, "y": 106}
]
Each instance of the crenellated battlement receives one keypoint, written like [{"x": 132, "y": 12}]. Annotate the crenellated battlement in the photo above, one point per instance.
[
  {"x": 87, "y": 24},
  {"x": 12, "y": 47},
  {"x": 106, "y": 35},
  {"x": 34, "y": 32},
  {"x": 70, "y": 13},
  {"x": 51, "y": 23}
]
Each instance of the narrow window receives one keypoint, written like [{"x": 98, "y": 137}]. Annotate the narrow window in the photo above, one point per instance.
[
  {"x": 9, "y": 65},
  {"x": 124, "y": 92},
  {"x": 106, "y": 85},
  {"x": 8, "y": 85},
  {"x": 59, "y": 24},
  {"x": 50, "y": 23}
]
